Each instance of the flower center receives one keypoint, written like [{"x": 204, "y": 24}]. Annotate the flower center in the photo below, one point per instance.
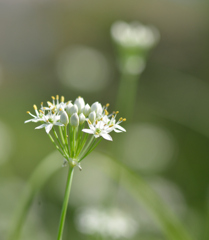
[{"x": 98, "y": 131}]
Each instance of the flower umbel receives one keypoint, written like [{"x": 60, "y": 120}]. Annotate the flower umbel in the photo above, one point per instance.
[{"x": 75, "y": 122}]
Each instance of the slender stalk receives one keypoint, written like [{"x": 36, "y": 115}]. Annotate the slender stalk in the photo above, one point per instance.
[
  {"x": 127, "y": 93},
  {"x": 83, "y": 152},
  {"x": 65, "y": 203}
]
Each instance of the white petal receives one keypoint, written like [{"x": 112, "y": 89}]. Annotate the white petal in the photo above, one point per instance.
[
  {"x": 106, "y": 136},
  {"x": 117, "y": 131},
  {"x": 41, "y": 126},
  {"x": 59, "y": 124},
  {"x": 30, "y": 120},
  {"x": 48, "y": 128},
  {"x": 120, "y": 128},
  {"x": 88, "y": 131}
]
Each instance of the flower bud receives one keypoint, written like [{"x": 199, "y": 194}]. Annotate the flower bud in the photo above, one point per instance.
[
  {"x": 80, "y": 104},
  {"x": 64, "y": 118},
  {"x": 69, "y": 105},
  {"x": 92, "y": 116},
  {"x": 86, "y": 110},
  {"x": 73, "y": 109},
  {"x": 82, "y": 118},
  {"x": 74, "y": 120}
]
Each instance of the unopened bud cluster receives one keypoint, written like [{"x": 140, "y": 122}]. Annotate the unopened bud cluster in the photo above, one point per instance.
[{"x": 74, "y": 120}]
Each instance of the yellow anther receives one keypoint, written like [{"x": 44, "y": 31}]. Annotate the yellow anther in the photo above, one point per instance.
[
  {"x": 96, "y": 133},
  {"x": 111, "y": 125},
  {"x": 44, "y": 108},
  {"x": 53, "y": 112},
  {"x": 35, "y": 107},
  {"x": 96, "y": 121},
  {"x": 62, "y": 99},
  {"x": 101, "y": 119},
  {"x": 28, "y": 112},
  {"x": 49, "y": 103},
  {"x": 42, "y": 103},
  {"x": 57, "y": 97},
  {"x": 107, "y": 105},
  {"x": 68, "y": 102},
  {"x": 116, "y": 112},
  {"x": 89, "y": 121},
  {"x": 124, "y": 119},
  {"x": 53, "y": 97},
  {"x": 106, "y": 112},
  {"x": 60, "y": 109},
  {"x": 121, "y": 119},
  {"x": 41, "y": 111},
  {"x": 113, "y": 116}
]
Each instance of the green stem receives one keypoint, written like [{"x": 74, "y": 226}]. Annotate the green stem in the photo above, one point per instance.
[
  {"x": 61, "y": 135},
  {"x": 65, "y": 203},
  {"x": 127, "y": 92},
  {"x": 61, "y": 146},
  {"x": 83, "y": 152}
]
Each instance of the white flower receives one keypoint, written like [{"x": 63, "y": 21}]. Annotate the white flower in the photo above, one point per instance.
[
  {"x": 50, "y": 120},
  {"x": 82, "y": 118},
  {"x": 92, "y": 116},
  {"x": 64, "y": 118},
  {"x": 74, "y": 120},
  {"x": 37, "y": 118},
  {"x": 80, "y": 104},
  {"x": 86, "y": 110},
  {"x": 134, "y": 34},
  {"x": 113, "y": 124},
  {"x": 97, "y": 107},
  {"x": 99, "y": 129}
]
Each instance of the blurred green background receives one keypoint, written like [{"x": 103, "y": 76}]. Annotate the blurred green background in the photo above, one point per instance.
[{"x": 64, "y": 47}]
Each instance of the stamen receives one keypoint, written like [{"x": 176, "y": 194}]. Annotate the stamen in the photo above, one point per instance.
[
  {"x": 124, "y": 119},
  {"x": 57, "y": 97},
  {"x": 41, "y": 111},
  {"x": 60, "y": 109},
  {"x": 116, "y": 112},
  {"x": 96, "y": 121},
  {"x": 28, "y": 112},
  {"x": 62, "y": 99},
  {"x": 53, "y": 97},
  {"x": 121, "y": 119},
  {"x": 89, "y": 122},
  {"x": 49, "y": 103},
  {"x": 107, "y": 105},
  {"x": 35, "y": 107},
  {"x": 111, "y": 125},
  {"x": 68, "y": 102},
  {"x": 106, "y": 112},
  {"x": 42, "y": 103}
]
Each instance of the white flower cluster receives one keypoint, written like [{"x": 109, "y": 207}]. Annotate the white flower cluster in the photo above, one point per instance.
[
  {"x": 108, "y": 223},
  {"x": 134, "y": 34},
  {"x": 73, "y": 120}
]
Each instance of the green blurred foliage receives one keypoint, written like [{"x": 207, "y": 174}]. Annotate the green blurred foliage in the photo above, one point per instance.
[{"x": 167, "y": 139}]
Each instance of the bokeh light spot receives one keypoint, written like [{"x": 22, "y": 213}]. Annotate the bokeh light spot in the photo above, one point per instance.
[
  {"x": 149, "y": 147},
  {"x": 84, "y": 69}
]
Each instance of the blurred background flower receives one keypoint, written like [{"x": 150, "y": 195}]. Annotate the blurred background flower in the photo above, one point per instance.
[{"x": 71, "y": 48}]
